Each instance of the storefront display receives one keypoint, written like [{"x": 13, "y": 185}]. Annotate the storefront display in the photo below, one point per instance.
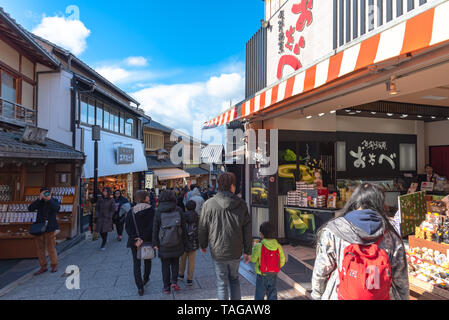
[{"x": 302, "y": 224}]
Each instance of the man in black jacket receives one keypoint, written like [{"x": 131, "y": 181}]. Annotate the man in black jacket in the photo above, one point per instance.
[
  {"x": 225, "y": 226},
  {"x": 47, "y": 209}
]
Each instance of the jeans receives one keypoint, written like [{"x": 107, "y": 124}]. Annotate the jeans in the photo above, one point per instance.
[
  {"x": 46, "y": 242},
  {"x": 266, "y": 285},
  {"x": 170, "y": 271},
  {"x": 138, "y": 271},
  {"x": 191, "y": 257},
  {"x": 227, "y": 273}
]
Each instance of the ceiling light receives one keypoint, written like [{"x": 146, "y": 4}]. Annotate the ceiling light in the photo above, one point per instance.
[
  {"x": 321, "y": 114},
  {"x": 433, "y": 117},
  {"x": 358, "y": 111},
  {"x": 348, "y": 110},
  {"x": 333, "y": 111},
  {"x": 392, "y": 88},
  {"x": 389, "y": 114},
  {"x": 404, "y": 116},
  {"x": 352, "y": 113},
  {"x": 373, "y": 112},
  {"x": 419, "y": 116},
  {"x": 434, "y": 98},
  {"x": 309, "y": 117}
]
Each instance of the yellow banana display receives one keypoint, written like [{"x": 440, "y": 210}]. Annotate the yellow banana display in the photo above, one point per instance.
[{"x": 287, "y": 171}]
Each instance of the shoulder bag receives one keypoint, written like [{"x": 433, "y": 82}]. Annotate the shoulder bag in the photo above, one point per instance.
[
  {"x": 38, "y": 229},
  {"x": 145, "y": 251}
]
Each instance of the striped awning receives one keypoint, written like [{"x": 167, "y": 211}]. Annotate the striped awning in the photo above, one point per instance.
[{"x": 419, "y": 32}]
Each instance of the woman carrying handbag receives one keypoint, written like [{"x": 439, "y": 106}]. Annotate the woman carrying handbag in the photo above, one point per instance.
[{"x": 139, "y": 226}]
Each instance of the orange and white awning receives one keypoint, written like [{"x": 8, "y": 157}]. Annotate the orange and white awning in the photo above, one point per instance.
[{"x": 419, "y": 32}]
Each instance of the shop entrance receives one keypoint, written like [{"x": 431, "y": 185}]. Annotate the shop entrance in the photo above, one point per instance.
[{"x": 439, "y": 159}]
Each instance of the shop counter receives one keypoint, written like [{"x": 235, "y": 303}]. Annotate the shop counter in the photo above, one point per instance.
[{"x": 303, "y": 223}]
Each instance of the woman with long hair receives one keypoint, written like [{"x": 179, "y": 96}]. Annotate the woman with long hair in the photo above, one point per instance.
[{"x": 362, "y": 222}]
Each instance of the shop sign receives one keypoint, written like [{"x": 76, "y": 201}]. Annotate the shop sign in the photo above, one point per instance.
[
  {"x": 125, "y": 155},
  {"x": 373, "y": 155},
  {"x": 34, "y": 135},
  {"x": 149, "y": 180},
  {"x": 301, "y": 34}
]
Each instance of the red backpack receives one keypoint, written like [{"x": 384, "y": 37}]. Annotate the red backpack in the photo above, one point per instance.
[
  {"x": 270, "y": 261},
  {"x": 366, "y": 273}
]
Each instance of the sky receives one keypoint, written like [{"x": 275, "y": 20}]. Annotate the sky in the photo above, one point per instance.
[{"x": 182, "y": 60}]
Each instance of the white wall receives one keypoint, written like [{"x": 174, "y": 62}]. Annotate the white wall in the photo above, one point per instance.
[
  {"x": 436, "y": 134},
  {"x": 317, "y": 36},
  {"x": 107, "y": 158},
  {"x": 54, "y": 106}
]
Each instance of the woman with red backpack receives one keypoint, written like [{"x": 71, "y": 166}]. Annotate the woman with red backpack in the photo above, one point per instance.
[{"x": 360, "y": 256}]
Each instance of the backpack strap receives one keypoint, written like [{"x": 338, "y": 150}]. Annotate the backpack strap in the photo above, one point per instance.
[{"x": 135, "y": 224}]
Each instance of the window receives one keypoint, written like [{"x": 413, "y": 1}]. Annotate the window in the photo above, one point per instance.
[
  {"x": 341, "y": 156},
  {"x": 122, "y": 124},
  {"x": 9, "y": 87},
  {"x": 83, "y": 110},
  {"x": 116, "y": 125},
  {"x": 129, "y": 125},
  {"x": 106, "y": 118},
  {"x": 91, "y": 112},
  {"x": 153, "y": 141},
  {"x": 9, "y": 93},
  {"x": 99, "y": 117}
]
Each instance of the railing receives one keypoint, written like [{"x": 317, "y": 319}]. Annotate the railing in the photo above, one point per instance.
[
  {"x": 17, "y": 114},
  {"x": 355, "y": 18}
]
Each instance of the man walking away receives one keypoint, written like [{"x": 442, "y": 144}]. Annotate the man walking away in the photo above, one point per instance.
[
  {"x": 225, "y": 226},
  {"x": 47, "y": 209},
  {"x": 192, "y": 244}
]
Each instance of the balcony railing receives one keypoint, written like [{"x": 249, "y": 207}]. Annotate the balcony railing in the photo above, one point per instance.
[{"x": 17, "y": 114}]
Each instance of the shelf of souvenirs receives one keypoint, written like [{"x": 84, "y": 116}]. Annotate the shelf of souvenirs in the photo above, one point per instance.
[
  {"x": 17, "y": 213},
  {"x": 65, "y": 195},
  {"x": 429, "y": 269}
]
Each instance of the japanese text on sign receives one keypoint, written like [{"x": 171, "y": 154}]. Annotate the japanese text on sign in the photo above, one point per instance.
[
  {"x": 373, "y": 153},
  {"x": 295, "y": 41}
]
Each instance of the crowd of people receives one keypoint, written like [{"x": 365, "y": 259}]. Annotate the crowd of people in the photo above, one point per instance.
[{"x": 360, "y": 255}]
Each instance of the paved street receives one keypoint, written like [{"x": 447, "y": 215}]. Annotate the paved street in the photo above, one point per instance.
[{"x": 108, "y": 276}]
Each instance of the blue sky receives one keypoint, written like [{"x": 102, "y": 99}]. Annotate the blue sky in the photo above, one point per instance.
[{"x": 183, "y": 60}]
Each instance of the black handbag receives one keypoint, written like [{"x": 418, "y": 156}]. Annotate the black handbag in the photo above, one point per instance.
[{"x": 38, "y": 228}]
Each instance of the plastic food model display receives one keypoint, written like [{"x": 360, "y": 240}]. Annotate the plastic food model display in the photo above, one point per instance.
[{"x": 429, "y": 266}]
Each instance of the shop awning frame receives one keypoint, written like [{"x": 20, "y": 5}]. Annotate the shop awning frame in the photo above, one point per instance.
[
  {"x": 170, "y": 174},
  {"x": 420, "y": 32}
]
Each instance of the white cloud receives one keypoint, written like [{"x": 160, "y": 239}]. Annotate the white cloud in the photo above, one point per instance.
[
  {"x": 136, "y": 61},
  {"x": 68, "y": 33},
  {"x": 114, "y": 74},
  {"x": 180, "y": 105}
]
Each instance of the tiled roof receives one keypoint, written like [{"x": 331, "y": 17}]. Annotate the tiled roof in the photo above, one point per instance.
[
  {"x": 212, "y": 154},
  {"x": 157, "y": 126},
  {"x": 28, "y": 39},
  {"x": 196, "y": 171},
  {"x": 154, "y": 163},
  {"x": 12, "y": 147}
]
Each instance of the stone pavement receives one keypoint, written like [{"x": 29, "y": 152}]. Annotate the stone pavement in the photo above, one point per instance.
[{"x": 108, "y": 275}]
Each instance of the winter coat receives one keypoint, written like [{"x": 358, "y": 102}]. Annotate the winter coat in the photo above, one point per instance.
[
  {"x": 172, "y": 252},
  {"x": 198, "y": 199},
  {"x": 225, "y": 226},
  {"x": 192, "y": 220},
  {"x": 118, "y": 204},
  {"x": 104, "y": 212},
  {"x": 270, "y": 244},
  {"x": 46, "y": 210},
  {"x": 363, "y": 227},
  {"x": 144, "y": 215}
]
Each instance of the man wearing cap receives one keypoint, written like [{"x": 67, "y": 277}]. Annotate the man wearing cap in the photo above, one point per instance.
[{"x": 47, "y": 208}]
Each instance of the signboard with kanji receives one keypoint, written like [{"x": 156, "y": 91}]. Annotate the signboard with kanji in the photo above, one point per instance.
[
  {"x": 300, "y": 34},
  {"x": 373, "y": 155}
]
